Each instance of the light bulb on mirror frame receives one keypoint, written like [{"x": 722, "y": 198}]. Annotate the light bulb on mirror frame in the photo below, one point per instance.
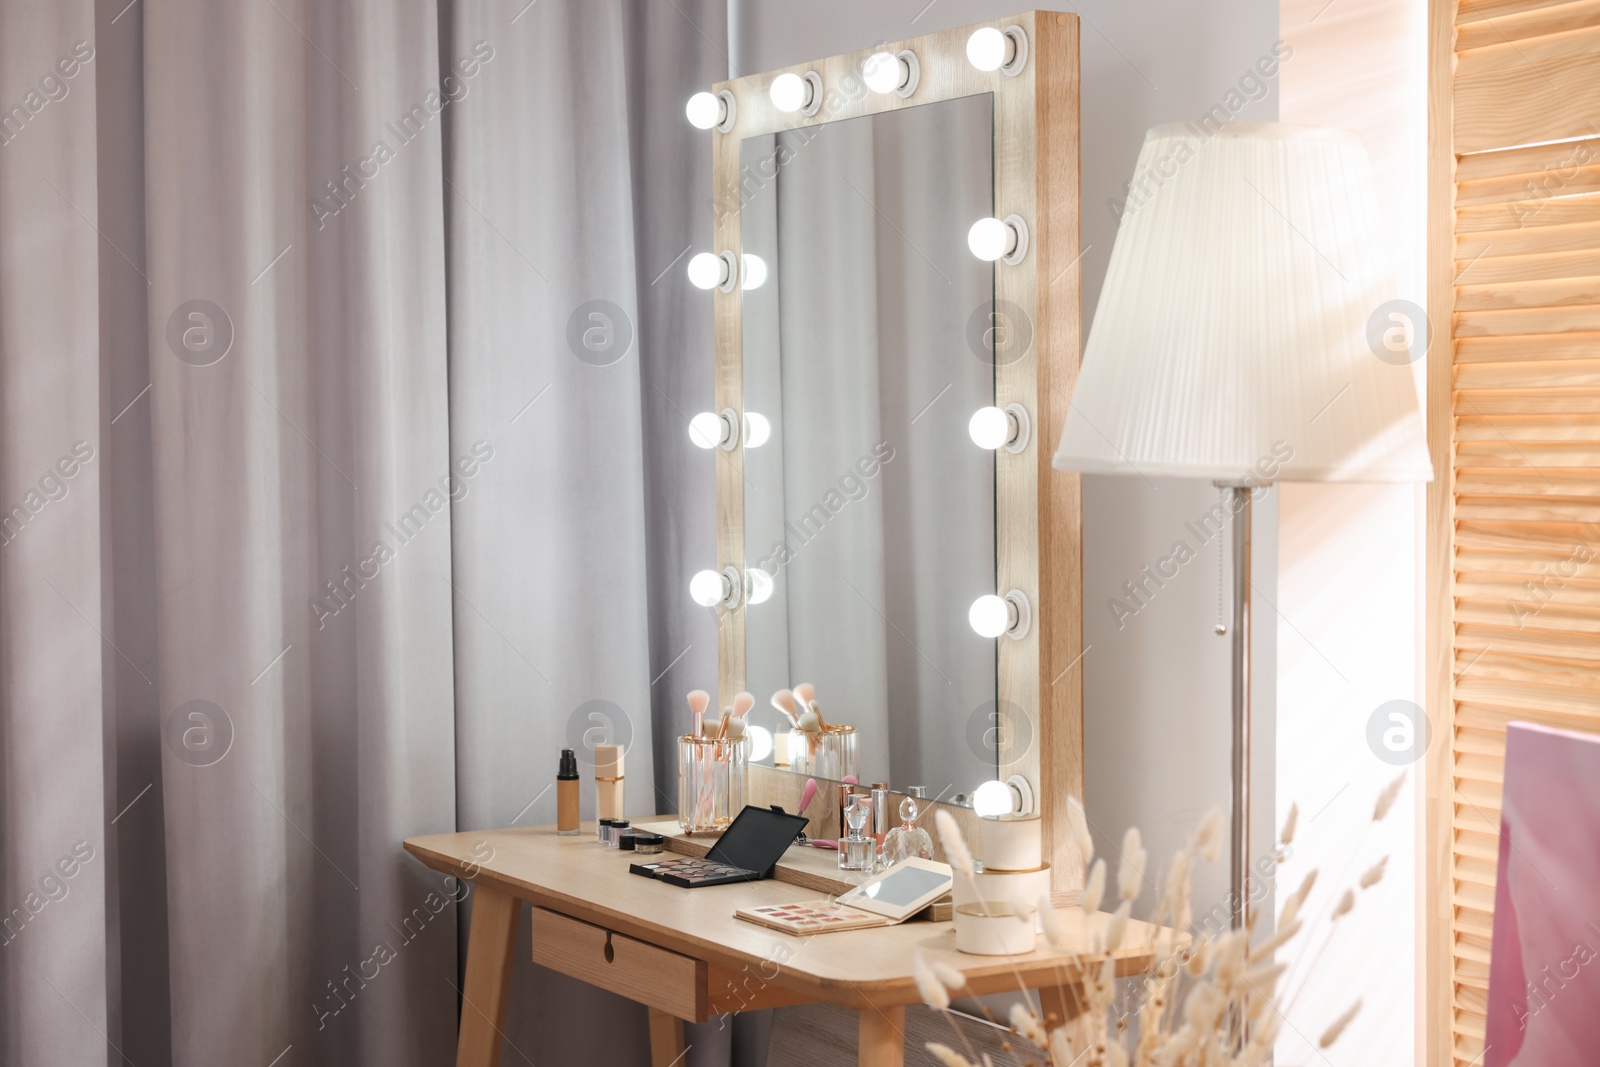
[
  {"x": 988, "y": 49},
  {"x": 706, "y": 588},
  {"x": 754, "y": 271},
  {"x": 989, "y": 616},
  {"x": 706, "y": 429},
  {"x": 990, "y": 239},
  {"x": 707, "y": 270},
  {"x": 989, "y": 428},
  {"x": 789, "y": 92},
  {"x": 884, "y": 72},
  {"x": 993, "y": 798},
  {"x": 757, "y": 430},
  {"x": 704, "y": 110}
]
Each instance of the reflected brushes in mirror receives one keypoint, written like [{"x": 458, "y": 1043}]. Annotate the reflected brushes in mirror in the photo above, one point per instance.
[{"x": 784, "y": 701}]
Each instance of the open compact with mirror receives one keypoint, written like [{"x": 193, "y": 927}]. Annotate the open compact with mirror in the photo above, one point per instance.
[{"x": 896, "y": 290}]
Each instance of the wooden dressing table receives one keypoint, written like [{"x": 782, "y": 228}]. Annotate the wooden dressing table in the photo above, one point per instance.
[{"x": 682, "y": 954}]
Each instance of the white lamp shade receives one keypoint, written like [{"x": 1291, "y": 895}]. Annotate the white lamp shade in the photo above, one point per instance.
[{"x": 1231, "y": 340}]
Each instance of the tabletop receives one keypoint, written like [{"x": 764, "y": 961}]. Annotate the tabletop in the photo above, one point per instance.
[{"x": 578, "y": 877}]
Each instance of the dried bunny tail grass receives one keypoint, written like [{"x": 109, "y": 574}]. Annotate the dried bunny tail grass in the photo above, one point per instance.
[
  {"x": 1208, "y": 839},
  {"x": 1050, "y": 921},
  {"x": 1116, "y": 1055},
  {"x": 1027, "y": 1024},
  {"x": 1175, "y": 903},
  {"x": 948, "y": 976},
  {"x": 1080, "y": 828},
  {"x": 1345, "y": 906},
  {"x": 1130, "y": 872},
  {"x": 1281, "y": 936},
  {"x": 1095, "y": 891},
  {"x": 1374, "y": 874},
  {"x": 947, "y": 1056},
  {"x": 933, "y": 992},
  {"x": 1297, "y": 899},
  {"x": 1199, "y": 958},
  {"x": 1331, "y": 1034},
  {"x": 1387, "y": 798},
  {"x": 955, "y": 846},
  {"x": 1286, "y": 837},
  {"x": 1061, "y": 1054},
  {"x": 1119, "y": 926}
]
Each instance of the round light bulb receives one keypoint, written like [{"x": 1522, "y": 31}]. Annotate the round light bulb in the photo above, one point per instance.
[
  {"x": 989, "y": 616},
  {"x": 987, "y": 48},
  {"x": 989, "y": 239},
  {"x": 706, "y": 588},
  {"x": 760, "y": 742},
  {"x": 706, "y": 270},
  {"x": 788, "y": 92},
  {"x": 757, "y": 430},
  {"x": 755, "y": 272},
  {"x": 705, "y": 429},
  {"x": 704, "y": 111},
  {"x": 883, "y": 72},
  {"x": 760, "y": 585},
  {"x": 989, "y": 428},
  {"x": 993, "y": 798}
]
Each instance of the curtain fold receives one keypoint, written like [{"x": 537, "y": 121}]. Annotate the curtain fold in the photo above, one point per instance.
[{"x": 340, "y": 512}]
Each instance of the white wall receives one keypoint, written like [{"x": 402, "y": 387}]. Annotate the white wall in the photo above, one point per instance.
[
  {"x": 1350, "y": 573},
  {"x": 1157, "y": 689}
]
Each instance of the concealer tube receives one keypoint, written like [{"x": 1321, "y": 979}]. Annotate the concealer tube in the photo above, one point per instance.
[
  {"x": 567, "y": 794},
  {"x": 609, "y": 801}
]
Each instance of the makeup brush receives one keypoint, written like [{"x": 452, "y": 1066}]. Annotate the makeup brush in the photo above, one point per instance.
[
  {"x": 807, "y": 795},
  {"x": 785, "y": 702},
  {"x": 732, "y": 726},
  {"x": 699, "y": 700}
]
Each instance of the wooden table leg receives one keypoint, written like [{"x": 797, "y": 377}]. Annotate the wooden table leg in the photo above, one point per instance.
[
  {"x": 490, "y": 945},
  {"x": 666, "y": 1039},
  {"x": 882, "y": 1040},
  {"x": 1063, "y": 1007}
]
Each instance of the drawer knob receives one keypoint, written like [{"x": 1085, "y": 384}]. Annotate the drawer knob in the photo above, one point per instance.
[{"x": 611, "y": 953}]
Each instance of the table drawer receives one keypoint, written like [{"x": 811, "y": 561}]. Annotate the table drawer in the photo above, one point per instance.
[{"x": 668, "y": 981}]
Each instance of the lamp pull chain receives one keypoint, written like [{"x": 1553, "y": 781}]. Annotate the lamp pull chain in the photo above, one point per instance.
[{"x": 1221, "y": 627}]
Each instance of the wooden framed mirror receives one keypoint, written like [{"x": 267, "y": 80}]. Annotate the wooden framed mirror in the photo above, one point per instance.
[{"x": 841, "y": 357}]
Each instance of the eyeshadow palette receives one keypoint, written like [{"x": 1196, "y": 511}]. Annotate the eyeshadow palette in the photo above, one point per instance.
[
  {"x": 812, "y": 918},
  {"x": 691, "y": 871},
  {"x": 746, "y": 852}
]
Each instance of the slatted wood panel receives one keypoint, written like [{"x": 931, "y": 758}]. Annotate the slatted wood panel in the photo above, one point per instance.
[{"x": 1515, "y": 517}]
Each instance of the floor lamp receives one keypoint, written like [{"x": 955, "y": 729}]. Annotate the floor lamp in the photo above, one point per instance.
[{"x": 1248, "y": 333}]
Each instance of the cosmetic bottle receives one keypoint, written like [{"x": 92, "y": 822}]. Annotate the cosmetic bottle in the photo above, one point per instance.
[
  {"x": 567, "y": 794},
  {"x": 880, "y": 811},
  {"x": 858, "y": 851},
  {"x": 608, "y": 781},
  {"x": 619, "y": 830}
]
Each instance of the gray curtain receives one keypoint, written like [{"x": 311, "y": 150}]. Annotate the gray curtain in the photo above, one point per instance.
[{"x": 320, "y": 529}]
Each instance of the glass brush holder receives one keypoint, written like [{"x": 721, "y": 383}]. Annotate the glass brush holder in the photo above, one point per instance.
[
  {"x": 710, "y": 782},
  {"x": 830, "y": 754}
]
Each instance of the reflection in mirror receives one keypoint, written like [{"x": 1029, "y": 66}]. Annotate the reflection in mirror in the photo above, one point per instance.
[{"x": 869, "y": 510}]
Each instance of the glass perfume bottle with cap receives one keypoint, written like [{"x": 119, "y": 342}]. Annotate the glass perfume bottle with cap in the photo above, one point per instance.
[
  {"x": 858, "y": 851},
  {"x": 908, "y": 839}
]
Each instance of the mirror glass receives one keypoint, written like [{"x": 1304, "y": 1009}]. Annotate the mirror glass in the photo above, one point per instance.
[{"x": 867, "y": 350}]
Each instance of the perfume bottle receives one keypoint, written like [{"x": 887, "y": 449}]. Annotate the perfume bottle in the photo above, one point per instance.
[
  {"x": 858, "y": 851},
  {"x": 908, "y": 839}
]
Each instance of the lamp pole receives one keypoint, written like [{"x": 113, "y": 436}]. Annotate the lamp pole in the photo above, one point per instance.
[{"x": 1240, "y": 507}]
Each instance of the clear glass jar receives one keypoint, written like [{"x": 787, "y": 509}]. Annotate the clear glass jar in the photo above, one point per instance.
[
  {"x": 832, "y": 754},
  {"x": 710, "y": 782}
]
